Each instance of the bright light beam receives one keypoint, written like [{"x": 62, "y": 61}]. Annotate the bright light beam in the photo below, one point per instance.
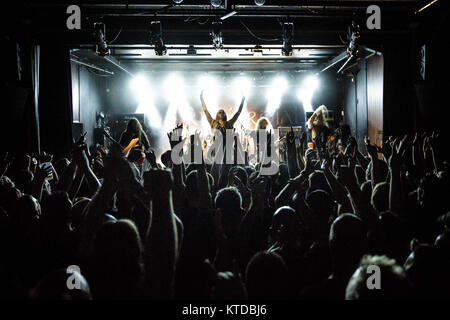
[
  {"x": 306, "y": 92},
  {"x": 311, "y": 83},
  {"x": 305, "y": 96},
  {"x": 242, "y": 86},
  {"x": 142, "y": 88},
  {"x": 274, "y": 95},
  {"x": 174, "y": 89}
]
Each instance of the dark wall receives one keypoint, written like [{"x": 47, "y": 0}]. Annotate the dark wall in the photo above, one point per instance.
[
  {"x": 92, "y": 99},
  {"x": 55, "y": 100},
  {"x": 394, "y": 83},
  {"x": 398, "y": 111},
  {"x": 18, "y": 131},
  {"x": 355, "y": 107},
  {"x": 431, "y": 94}
]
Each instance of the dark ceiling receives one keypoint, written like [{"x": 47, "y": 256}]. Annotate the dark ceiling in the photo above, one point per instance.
[{"x": 320, "y": 31}]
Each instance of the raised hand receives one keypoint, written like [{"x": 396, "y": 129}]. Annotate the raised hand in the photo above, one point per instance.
[
  {"x": 170, "y": 135},
  {"x": 43, "y": 173},
  {"x": 308, "y": 165},
  {"x": 325, "y": 164},
  {"x": 45, "y": 157},
  {"x": 81, "y": 139},
  {"x": 404, "y": 145},
  {"x": 259, "y": 186},
  {"x": 433, "y": 141},
  {"x": 371, "y": 149},
  {"x": 394, "y": 159},
  {"x": 79, "y": 156}
]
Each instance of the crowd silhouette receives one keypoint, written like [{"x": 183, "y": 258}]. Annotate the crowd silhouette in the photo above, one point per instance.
[{"x": 206, "y": 231}]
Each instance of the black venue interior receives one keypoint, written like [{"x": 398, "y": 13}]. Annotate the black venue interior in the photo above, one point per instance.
[{"x": 362, "y": 183}]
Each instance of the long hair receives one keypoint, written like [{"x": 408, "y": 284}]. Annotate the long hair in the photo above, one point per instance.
[
  {"x": 134, "y": 128},
  {"x": 321, "y": 116},
  {"x": 263, "y": 123},
  {"x": 225, "y": 115}
]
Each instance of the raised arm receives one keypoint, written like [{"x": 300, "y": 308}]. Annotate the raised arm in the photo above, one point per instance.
[
  {"x": 293, "y": 166},
  {"x": 161, "y": 247},
  {"x": 373, "y": 154},
  {"x": 395, "y": 186},
  {"x": 311, "y": 121},
  {"x": 361, "y": 206},
  {"x": 237, "y": 114},
  {"x": 205, "y": 110}
]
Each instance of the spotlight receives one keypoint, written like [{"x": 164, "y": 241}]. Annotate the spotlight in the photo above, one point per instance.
[
  {"x": 274, "y": 95},
  {"x": 288, "y": 37},
  {"x": 156, "y": 38},
  {"x": 280, "y": 84},
  {"x": 216, "y": 35},
  {"x": 241, "y": 86},
  {"x": 143, "y": 91},
  {"x": 101, "y": 47},
  {"x": 311, "y": 83},
  {"x": 353, "y": 39},
  {"x": 305, "y": 94},
  {"x": 216, "y": 3},
  {"x": 260, "y": 2},
  {"x": 177, "y": 1},
  {"x": 173, "y": 83},
  {"x": 141, "y": 87},
  {"x": 210, "y": 86}
]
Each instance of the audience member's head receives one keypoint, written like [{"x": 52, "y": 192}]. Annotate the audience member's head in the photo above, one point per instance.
[
  {"x": 378, "y": 278},
  {"x": 259, "y": 284},
  {"x": 380, "y": 197},
  {"x": 116, "y": 255},
  {"x": 348, "y": 242},
  {"x": 229, "y": 201}
]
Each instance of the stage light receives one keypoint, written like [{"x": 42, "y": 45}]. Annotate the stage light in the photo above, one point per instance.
[
  {"x": 306, "y": 92},
  {"x": 305, "y": 96},
  {"x": 101, "y": 47},
  {"x": 242, "y": 87},
  {"x": 140, "y": 84},
  {"x": 288, "y": 38},
  {"x": 216, "y": 35},
  {"x": 156, "y": 38},
  {"x": 173, "y": 83},
  {"x": 353, "y": 39},
  {"x": 175, "y": 92},
  {"x": 280, "y": 84},
  {"x": 260, "y": 2},
  {"x": 274, "y": 94},
  {"x": 216, "y": 3},
  {"x": 143, "y": 90},
  {"x": 209, "y": 86},
  {"x": 311, "y": 83},
  {"x": 177, "y": 1}
]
